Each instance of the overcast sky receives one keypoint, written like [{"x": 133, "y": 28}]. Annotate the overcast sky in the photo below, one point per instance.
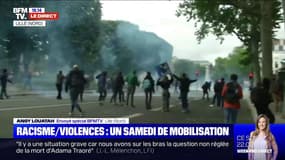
[{"x": 159, "y": 17}]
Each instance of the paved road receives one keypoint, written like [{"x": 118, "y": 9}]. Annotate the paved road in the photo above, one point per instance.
[{"x": 45, "y": 105}]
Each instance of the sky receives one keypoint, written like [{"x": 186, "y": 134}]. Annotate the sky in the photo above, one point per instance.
[{"x": 159, "y": 17}]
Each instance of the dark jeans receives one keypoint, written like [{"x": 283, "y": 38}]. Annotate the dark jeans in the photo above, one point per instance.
[
  {"x": 217, "y": 97},
  {"x": 4, "y": 92},
  {"x": 184, "y": 99},
  {"x": 102, "y": 93},
  {"x": 205, "y": 93},
  {"x": 165, "y": 100},
  {"x": 131, "y": 92},
  {"x": 263, "y": 109},
  {"x": 116, "y": 92},
  {"x": 230, "y": 115},
  {"x": 59, "y": 90},
  {"x": 74, "y": 93},
  {"x": 148, "y": 97}
]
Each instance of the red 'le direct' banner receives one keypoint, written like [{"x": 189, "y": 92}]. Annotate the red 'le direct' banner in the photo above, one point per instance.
[{"x": 44, "y": 16}]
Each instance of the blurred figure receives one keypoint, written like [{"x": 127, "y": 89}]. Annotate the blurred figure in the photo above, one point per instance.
[
  {"x": 277, "y": 92},
  {"x": 132, "y": 81},
  {"x": 119, "y": 87},
  {"x": 206, "y": 89},
  {"x": 261, "y": 98},
  {"x": 118, "y": 84},
  {"x": 184, "y": 89},
  {"x": 59, "y": 83},
  {"x": 28, "y": 80},
  {"x": 165, "y": 83},
  {"x": 148, "y": 86},
  {"x": 251, "y": 80},
  {"x": 176, "y": 86},
  {"x": 232, "y": 93},
  {"x": 215, "y": 93},
  {"x": 4, "y": 79},
  {"x": 74, "y": 83},
  {"x": 82, "y": 87},
  {"x": 218, "y": 87},
  {"x": 102, "y": 86}
]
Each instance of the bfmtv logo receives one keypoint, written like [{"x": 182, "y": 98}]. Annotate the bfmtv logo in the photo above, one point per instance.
[{"x": 33, "y": 17}]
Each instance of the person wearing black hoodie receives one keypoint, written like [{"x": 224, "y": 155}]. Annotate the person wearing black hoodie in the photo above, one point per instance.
[
  {"x": 74, "y": 83},
  {"x": 184, "y": 89}
]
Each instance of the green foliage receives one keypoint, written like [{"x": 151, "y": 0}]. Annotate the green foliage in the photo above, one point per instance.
[
  {"x": 237, "y": 62},
  {"x": 239, "y": 17},
  {"x": 74, "y": 38}
]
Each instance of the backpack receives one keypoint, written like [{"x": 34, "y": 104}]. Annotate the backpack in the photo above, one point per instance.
[
  {"x": 146, "y": 84},
  {"x": 260, "y": 96},
  {"x": 231, "y": 94}
]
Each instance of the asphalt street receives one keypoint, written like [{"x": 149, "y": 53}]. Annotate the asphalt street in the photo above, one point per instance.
[{"x": 44, "y": 104}]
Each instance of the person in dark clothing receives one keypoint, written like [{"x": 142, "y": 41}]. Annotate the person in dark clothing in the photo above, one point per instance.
[
  {"x": 218, "y": 87},
  {"x": 59, "y": 84},
  {"x": 133, "y": 82},
  {"x": 118, "y": 84},
  {"x": 82, "y": 87},
  {"x": 4, "y": 80},
  {"x": 74, "y": 83},
  {"x": 261, "y": 98},
  {"x": 165, "y": 83},
  {"x": 102, "y": 86},
  {"x": 277, "y": 93},
  {"x": 148, "y": 86},
  {"x": 184, "y": 89},
  {"x": 220, "y": 99},
  {"x": 28, "y": 80},
  {"x": 215, "y": 94},
  {"x": 206, "y": 88},
  {"x": 112, "y": 83}
]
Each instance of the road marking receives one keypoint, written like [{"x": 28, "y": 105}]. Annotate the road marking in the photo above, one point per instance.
[
  {"x": 141, "y": 114},
  {"x": 133, "y": 115},
  {"x": 43, "y": 106},
  {"x": 160, "y": 108}
]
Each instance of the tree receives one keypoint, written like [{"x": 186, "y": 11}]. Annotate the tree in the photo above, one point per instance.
[
  {"x": 232, "y": 17},
  {"x": 74, "y": 38},
  {"x": 236, "y": 62}
]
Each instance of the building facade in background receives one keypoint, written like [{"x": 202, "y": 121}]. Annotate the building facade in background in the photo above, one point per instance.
[{"x": 278, "y": 54}]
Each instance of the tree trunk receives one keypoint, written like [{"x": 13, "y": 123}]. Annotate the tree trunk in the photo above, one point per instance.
[
  {"x": 266, "y": 37},
  {"x": 283, "y": 6},
  {"x": 255, "y": 57}
]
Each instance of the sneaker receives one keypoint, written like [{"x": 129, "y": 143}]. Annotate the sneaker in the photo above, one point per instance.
[{"x": 211, "y": 105}]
